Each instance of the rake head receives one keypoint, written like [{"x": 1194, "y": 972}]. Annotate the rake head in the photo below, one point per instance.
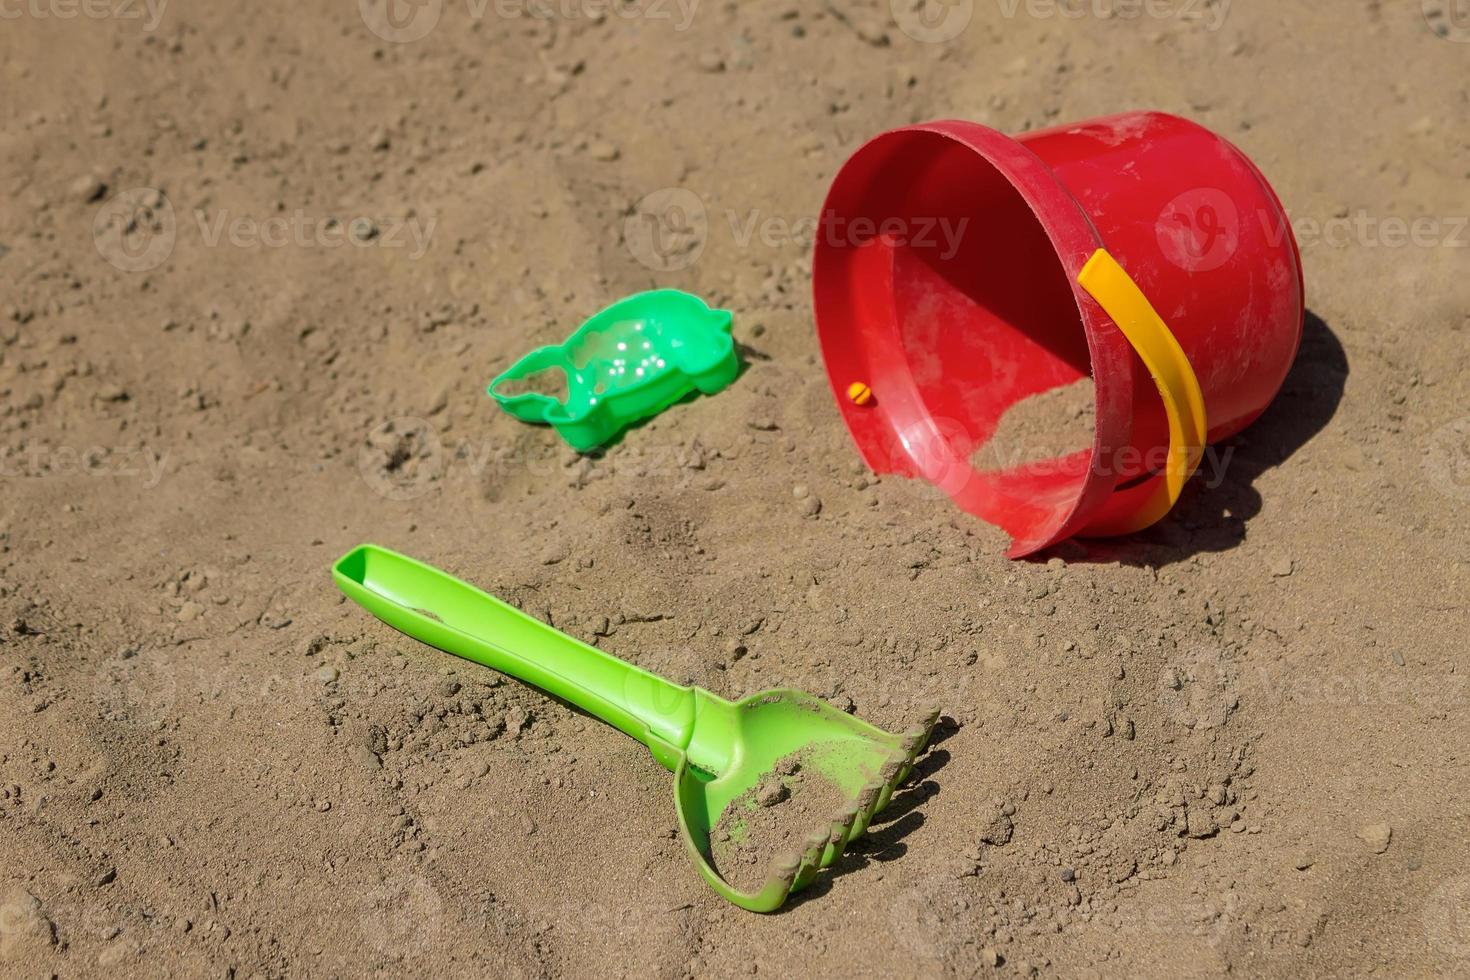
[{"x": 828, "y": 773}]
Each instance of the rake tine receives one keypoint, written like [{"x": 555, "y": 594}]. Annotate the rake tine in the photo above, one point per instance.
[
  {"x": 784, "y": 867},
  {"x": 816, "y": 843},
  {"x": 889, "y": 774},
  {"x": 867, "y": 807},
  {"x": 780, "y": 876},
  {"x": 914, "y": 744},
  {"x": 840, "y": 835},
  {"x": 927, "y": 727},
  {"x": 917, "y": 739}
]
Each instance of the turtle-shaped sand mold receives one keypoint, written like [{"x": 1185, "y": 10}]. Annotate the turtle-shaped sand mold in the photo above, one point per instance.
[{"x": 627, "y": 363}]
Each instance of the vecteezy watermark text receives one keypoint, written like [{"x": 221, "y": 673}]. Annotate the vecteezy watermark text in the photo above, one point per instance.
[
  {"x": 406, "y": 21},
  {"x": 938, "y": 21},
  {"x": 1126, "y": 462},
  {"x": 1210, "y": 13},
  {"x": 137, "y": 230},
  {"x": 120, "y": 462},
  {"x": 669, "y": 229},
  {"x": 301, "y": 230},
  {"x": 940, "y": 233},
  {"x": 149, "y": 11}
]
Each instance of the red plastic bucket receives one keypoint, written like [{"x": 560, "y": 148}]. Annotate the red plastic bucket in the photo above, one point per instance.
[{"x": 960, "y": 271}]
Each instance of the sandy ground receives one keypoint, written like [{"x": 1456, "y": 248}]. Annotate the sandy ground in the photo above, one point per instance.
[{"x": 1236, "y": 744}]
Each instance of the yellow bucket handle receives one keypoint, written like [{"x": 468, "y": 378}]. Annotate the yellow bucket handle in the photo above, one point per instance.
[{"x": 1119, "y": 296}]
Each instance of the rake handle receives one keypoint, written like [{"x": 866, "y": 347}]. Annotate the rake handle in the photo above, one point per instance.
[{"x": 435, "y": 608}]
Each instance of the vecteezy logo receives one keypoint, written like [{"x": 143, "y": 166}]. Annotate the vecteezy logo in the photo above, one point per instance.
[
  {"x": 1447, "y": 918},
  {"x": 1199, "y": 231},
  {"x": 931, "y": 443},
  {"x": 1199, "y": 689},
  {"x": 401, "y": 21},
  {"x": 1450, "y": 19},
  {"x": 926, "y": 918},
  {"x": 1447, "y": 459},
  {"x": 1204, "y": 918},
  {"x": 401, "y": 458},
  {"x": 401, "y": 917},
  {"x": 932, "y": 21},
  {"x": 136, "y": 230},
  {"x": 137, "y": 689},
  {"x": 667, "y": 230}
]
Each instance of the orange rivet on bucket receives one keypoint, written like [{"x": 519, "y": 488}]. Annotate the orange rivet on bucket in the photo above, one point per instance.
[{"x": 859, "y": 393}]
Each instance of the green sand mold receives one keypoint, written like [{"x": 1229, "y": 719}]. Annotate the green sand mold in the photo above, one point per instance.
[{"x": 626, "y": 364}]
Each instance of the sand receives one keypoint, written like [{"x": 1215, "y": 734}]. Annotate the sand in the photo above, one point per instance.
[
  {"x": 1164, "y": 754},
  {"x": 771, "y": 820},
  {"x": 1048, "y": 425}
]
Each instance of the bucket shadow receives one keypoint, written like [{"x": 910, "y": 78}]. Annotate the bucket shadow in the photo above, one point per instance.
[{"x": 1221, "y": 500}]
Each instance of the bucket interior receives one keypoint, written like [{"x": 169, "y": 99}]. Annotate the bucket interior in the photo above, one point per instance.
[{"x": 986, "y": 320}]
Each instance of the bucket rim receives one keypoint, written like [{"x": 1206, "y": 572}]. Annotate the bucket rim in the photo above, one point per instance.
[{"x": 1074, "y": 238}]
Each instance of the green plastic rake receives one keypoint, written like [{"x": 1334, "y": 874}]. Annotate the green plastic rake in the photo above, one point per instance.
[{"x": 719, "y": 751}]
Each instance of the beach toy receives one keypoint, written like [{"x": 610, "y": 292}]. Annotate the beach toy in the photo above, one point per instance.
[
  {"x": 961, "y": 271},
  {"x": 730, "y": 759},
  {"x": 629, "y": 362}
]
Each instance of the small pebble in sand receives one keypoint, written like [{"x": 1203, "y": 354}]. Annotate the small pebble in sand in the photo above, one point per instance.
[
  {"x": 603, "y": 151},
  {"x": 1376, "y": 836},
  {"x": 772, "y": 792},
  {"x": 996, "y": 827},
  {"x": 327, "y": 674},
  {"x": 1200, "y": 824},
  {"x": 88, "y": 188}
]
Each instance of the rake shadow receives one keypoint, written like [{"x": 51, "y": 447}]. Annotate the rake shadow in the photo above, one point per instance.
[{"x": 884, "y": 840}]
